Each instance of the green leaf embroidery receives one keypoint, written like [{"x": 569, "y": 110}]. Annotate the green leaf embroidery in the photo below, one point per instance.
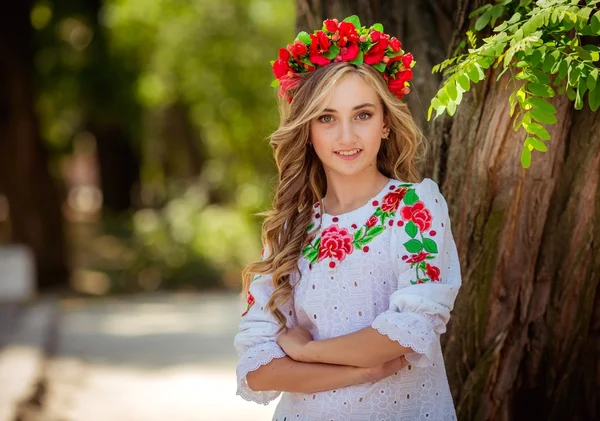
[
  {"x": 411, "y": 197},
  {"x": 430, "y": 245},
  {"x": 413, "y": 246},
  {"x": 411, "y": 229}
]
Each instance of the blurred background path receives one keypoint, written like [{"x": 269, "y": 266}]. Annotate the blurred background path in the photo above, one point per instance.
[{"x": 141, "y": 357}]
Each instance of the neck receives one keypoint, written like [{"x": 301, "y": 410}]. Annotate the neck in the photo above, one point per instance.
[{"x": 346, "y": 193}]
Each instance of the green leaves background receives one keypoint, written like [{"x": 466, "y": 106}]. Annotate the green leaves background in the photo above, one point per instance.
[{"x": 540, "y": 44}]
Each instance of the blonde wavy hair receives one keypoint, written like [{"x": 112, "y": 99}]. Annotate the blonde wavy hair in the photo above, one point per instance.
[{"x": 301, "y": 178}]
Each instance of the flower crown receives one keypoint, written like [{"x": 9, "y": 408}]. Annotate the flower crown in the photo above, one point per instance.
[{"x": 344, "y": 41}]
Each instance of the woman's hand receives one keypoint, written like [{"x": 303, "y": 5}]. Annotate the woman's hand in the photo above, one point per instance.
[
  {"x": 294, "y": 343},
  {"x": 374, "y": 374}
]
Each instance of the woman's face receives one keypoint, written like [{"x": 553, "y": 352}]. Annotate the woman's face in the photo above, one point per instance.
[{"x": 347, "y": 135}]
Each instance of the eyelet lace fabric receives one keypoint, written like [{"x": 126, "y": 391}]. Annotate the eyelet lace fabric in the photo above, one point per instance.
[
  {"x": 397, "y": 271},
  {"x": 252, "y": 359}
]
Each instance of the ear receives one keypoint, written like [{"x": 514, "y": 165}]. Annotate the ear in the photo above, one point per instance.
[{"x": 385, "y": 131}]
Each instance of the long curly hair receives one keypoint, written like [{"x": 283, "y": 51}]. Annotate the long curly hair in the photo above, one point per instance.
[{"x": 301, "y": 177}]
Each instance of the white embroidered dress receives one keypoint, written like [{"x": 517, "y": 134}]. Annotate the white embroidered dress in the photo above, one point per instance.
[{"x": 391, "y": 264}]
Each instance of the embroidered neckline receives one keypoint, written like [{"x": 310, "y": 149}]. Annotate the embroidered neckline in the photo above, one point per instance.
[
  {"x": 367, "y": 204},
  {"x": 335, "y": 243}
]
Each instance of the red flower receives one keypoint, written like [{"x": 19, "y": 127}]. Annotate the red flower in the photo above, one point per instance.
[
  {"x": 419, "y": 214},
  {"x": 347, "y": 34},
  {"x": 331, "y": 25},
  {"x": 407, "y": 59},
  {"x": 372, "y": 221},
  {"x": 433, "y": 272},
  {"x": 250, "y": 301},
  {"x": 391, "y": 200},
  {"x": 419, "y": 257},
  {"x": 377, "y": 51},
  {"x": 336, "y": 243},
  {"x": 281, "y": 68},
  {"x": 284, "y": 54},
  {"x": 349, "y": 52},
  {"x": 298, "y": 49},
  {"x": 398, "y": 85},
  {"x": 319, "y": 45},
  {"x": 395, "y": 44}
]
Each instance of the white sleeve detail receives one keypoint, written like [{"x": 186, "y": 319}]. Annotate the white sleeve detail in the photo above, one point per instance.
[
  {"x": 256, "y": 341},
  {"x": 419, "y": 311}
]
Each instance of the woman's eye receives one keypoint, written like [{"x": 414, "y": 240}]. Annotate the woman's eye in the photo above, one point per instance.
[
  {"x": 325, "y": 119},
  {"x": 364, "y": 116}
]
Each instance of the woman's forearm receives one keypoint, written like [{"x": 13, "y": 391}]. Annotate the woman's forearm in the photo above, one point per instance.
[
  {"x": 288, "y": 375},
  {"x": 364, "y": 348}
]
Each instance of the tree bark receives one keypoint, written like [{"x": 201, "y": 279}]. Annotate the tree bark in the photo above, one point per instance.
[
  {"x": 34, "y": 202},
  {"x": 524, "y": 337},
  {"x": 118, "y": 159}
]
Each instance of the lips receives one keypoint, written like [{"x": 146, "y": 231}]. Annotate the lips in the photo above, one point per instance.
[{"x": 349, "y": 152}]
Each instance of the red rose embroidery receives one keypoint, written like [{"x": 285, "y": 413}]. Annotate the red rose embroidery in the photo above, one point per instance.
[
  {"x": 372, "y": 221},
  {"x": 391, "y": 200},
  {"x": 419, "y": 214},
  {"x": 433, "y": 272},
  {"x": 336, "y": 243},
  {"x": 250, "y": 301},
  {"x": 415, "y": 258}
]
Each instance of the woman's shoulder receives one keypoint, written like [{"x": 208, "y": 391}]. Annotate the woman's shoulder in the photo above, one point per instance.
[{"x": 425, "y": 185}]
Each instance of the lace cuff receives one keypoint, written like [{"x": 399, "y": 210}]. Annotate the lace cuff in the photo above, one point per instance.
[
  {"x": 413, "y": 331},
  {"x": 251, "y": 360}
]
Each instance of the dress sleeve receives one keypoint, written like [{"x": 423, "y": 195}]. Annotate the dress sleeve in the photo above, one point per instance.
[
  {"x": 427, "y": 267},
  {"x": 256, "y": 340}
]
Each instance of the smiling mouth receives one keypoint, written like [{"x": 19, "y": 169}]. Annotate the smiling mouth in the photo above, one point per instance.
[{"x": 348, "y": 153}]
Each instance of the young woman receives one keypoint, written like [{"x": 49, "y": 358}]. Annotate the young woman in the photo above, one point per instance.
[{"x": 360, "y": 270}]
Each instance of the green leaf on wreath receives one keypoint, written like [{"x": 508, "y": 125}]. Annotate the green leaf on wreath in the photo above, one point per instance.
[
  {"x": 354, "y": 20},
  {"x": 359, "y": 59},
  {"x": 304, "y": 37},
  {"x": 413, "y": 246},
  {"x": 334, "y": 50},
  {"x": 380, "y": 66}
]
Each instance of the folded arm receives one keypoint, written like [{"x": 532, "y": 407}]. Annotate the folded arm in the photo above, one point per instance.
[{"x": 364, "y": 348}]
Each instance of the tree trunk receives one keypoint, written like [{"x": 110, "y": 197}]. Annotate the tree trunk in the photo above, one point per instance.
[
  {"x": 118, "y": 159},
  {"x": 34, "y": 203},
  {"x": 524, "y": 337}
]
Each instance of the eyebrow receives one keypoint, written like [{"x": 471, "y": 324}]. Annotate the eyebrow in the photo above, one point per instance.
[{"x": 366, "y": 104}]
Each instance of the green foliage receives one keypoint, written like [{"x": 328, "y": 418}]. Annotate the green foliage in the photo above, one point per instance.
[
  {"x": 532, "y": 41},
  {"x": 184, "y": 78}
]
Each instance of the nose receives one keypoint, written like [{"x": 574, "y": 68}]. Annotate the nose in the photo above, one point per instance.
[{"x": 347, "y": 134}]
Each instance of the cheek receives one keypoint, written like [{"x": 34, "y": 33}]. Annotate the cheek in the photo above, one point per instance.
[{"x": 321, "y": 137}]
